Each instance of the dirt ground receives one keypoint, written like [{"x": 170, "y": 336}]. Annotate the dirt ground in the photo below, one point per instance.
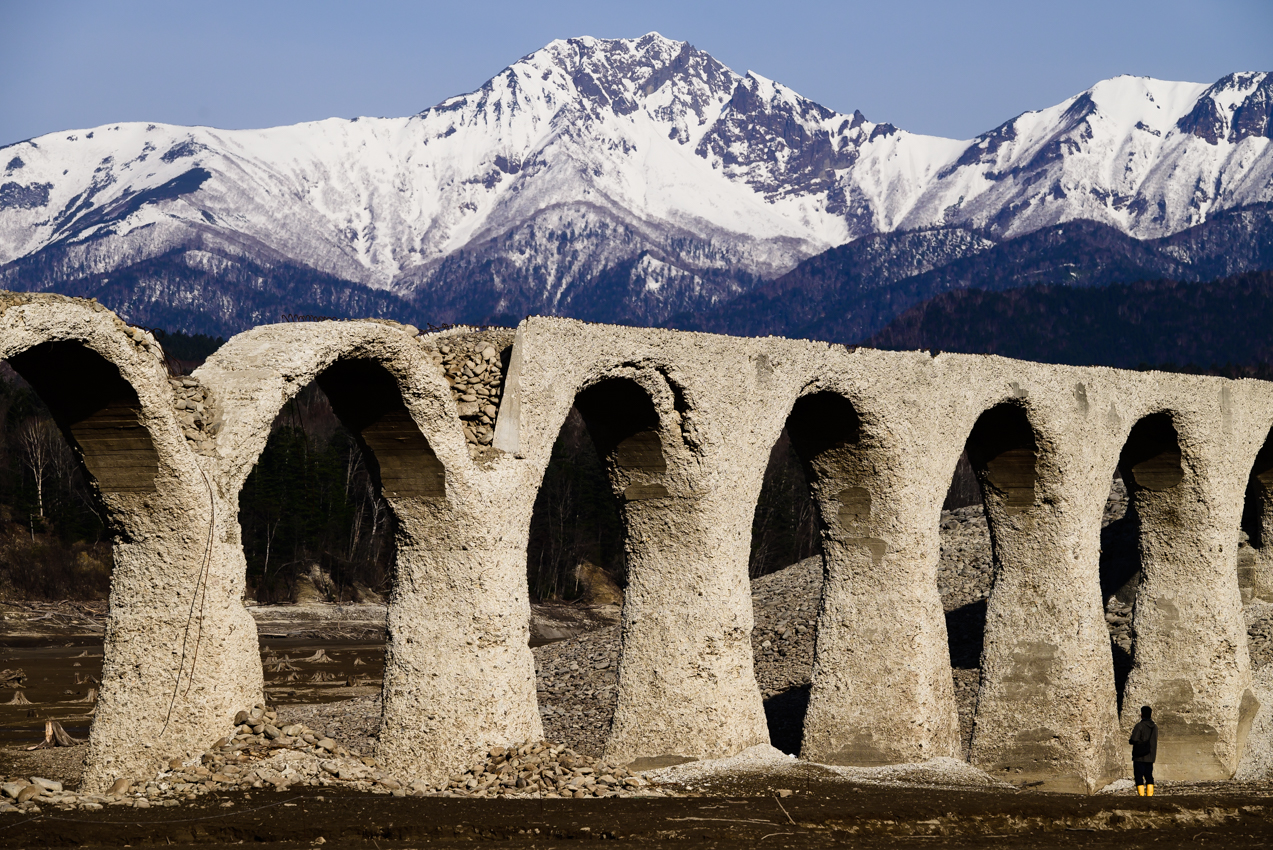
[
  {"x": 744, "y": 810},
  {"x": 820, "y": 813}
]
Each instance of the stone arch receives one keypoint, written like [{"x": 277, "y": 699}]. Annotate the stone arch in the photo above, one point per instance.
[
  {"x": 1004, "y": 454},
  {"x": 682, "y": 694},
  {"x": 1151, "y": 457},
  {"x": 98, "y": 411},
  {"x": 366, "y": 387},
  {"x": 826, "y": 434},
  {"x": 1044, "y": 709},
  {"x": 625, "y": 429},
  {"x": 824, "y": 431},
  {"x": 367, "y": 383},
  {"x": 613, "y": 417},
  {"x": 1002, "y": 449},
  {"x": 172, "y": 650},
  {"x": 367, "y": 400},
  {"x": 1149, "y": 465},
  {"x": 880, "y": 687},
  {"x": 1189, "y": 659},
  {"x": 459, "y": 676}
]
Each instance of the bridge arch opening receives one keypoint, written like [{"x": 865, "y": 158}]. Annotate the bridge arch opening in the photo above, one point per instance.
[
  {"x": 76, "y": 464},
  {"x": 785, "y": 528},
  {"x": 320, "y": 514},
  {"x": 97, "y": 410},
  {"x": 994, "y": 482},
  {"x": 608, "y": 461},
  {"x": 816, "y": 488},
  {"x": 1255, "y": 536},
  {"x": 1149, "y": 469}
]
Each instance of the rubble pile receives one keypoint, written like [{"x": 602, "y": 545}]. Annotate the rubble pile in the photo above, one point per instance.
[{"x": 264, "y": 755}]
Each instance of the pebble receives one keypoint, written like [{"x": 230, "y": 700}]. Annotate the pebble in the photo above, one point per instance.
[
  {"x": 52, "y": 786},
  {"x": 541, "y": 769}
]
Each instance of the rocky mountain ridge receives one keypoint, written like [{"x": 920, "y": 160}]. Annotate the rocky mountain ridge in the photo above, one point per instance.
[{"x": 623, "y": 179}]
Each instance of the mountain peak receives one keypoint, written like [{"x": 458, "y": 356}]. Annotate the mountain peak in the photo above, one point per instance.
[
  {"x": 591, "y": 152},
  {"x": 1236, "y": 107}
]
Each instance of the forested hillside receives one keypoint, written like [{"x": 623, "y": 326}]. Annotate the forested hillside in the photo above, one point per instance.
[{"x": 1221, "y": 327}]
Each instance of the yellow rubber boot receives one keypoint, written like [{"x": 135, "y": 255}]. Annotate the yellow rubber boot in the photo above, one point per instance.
[
  {"x": 1140, "y": 790},
  {"x": 1149, "y": 790}
]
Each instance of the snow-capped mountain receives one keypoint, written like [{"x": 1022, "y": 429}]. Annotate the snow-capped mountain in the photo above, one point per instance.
[{"x": 643, "y": 162}]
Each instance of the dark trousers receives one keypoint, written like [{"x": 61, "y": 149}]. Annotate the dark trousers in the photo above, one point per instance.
[{"x": 1144, "y": 771}]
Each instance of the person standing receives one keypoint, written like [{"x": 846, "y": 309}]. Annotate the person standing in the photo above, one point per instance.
[{"x": 1144, "y": 743}]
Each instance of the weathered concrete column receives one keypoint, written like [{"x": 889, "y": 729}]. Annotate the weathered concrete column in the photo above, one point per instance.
[
  {"x": 1191, "y": 662},
  {"x": 882, "y": 691},
  {"x": 456, "y": 675},
  {"x": 178, "y": 655},
  {"x": 459, "y": 676},
  {"x": 1046, "y": 709},
  {"x": 686, "y": 679},
  {"x": 687, "y": 684},
  {"x": 181, "y": 650}
]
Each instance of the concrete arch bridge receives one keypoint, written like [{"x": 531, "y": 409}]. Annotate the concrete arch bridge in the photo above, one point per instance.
[{"x": 685, "y": 423}]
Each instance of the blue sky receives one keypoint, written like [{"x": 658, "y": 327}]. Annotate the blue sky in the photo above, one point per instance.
[{"x": 948, "y": 68}]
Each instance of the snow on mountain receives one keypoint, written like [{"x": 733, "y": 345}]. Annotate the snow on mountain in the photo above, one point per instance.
[
  {"x": 1146, "y": 156},
  {"x": 642, "y": 159}
]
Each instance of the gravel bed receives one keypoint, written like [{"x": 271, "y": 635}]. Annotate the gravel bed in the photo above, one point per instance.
[
  {"x": 267, "y": 751},
  {"x": 353, "y": 721}
]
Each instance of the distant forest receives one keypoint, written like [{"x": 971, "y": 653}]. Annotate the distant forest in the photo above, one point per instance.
[
  {"x": 310, "y": 510},
  {"x": 1220, "y": 328},
  {"x": 53, "y": 538}
]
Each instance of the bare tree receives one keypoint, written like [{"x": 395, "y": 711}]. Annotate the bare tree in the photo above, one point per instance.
[{"x": 40, "y": 443}]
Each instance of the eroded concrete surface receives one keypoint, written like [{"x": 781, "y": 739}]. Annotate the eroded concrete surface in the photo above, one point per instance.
[{"x": 685, "y": 423}]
